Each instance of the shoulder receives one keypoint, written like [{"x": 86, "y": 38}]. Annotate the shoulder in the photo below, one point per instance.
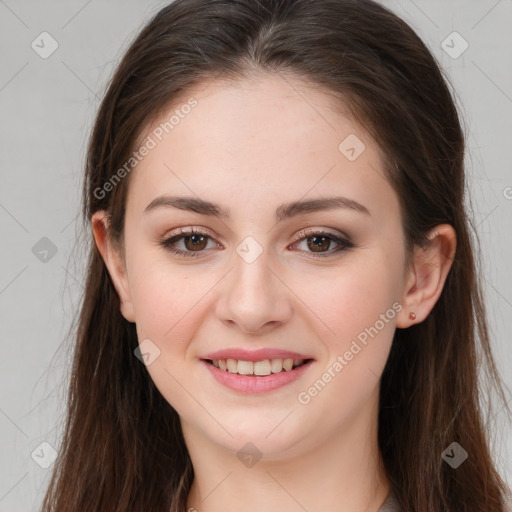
[{"x": 391, "y": 504}]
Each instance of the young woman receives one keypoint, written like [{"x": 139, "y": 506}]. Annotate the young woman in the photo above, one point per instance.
[{"x": 282, "y": 309}]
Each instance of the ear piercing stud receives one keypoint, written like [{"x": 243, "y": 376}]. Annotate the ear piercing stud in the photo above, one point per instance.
[{"x": 412, "y": 315}]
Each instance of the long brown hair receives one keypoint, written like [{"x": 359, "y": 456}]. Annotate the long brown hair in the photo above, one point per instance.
[{"x": 122, "y": 447}]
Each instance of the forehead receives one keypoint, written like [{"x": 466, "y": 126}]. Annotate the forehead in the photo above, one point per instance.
[{"x": 264, "y": 139}]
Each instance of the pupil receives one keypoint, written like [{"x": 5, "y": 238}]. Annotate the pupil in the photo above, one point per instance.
[
  {"x": 318, "y": 241},
  {"x": 196, "y": 241}
]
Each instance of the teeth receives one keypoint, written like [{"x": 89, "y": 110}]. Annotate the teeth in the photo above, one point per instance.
[
  {"x": 265, "y": 367},
  {"x": 261, "y": 367},
  {"x": 288, "y": 364},
  {"x": 245, "y": 367},
  {"x": 276, "y": 365}
]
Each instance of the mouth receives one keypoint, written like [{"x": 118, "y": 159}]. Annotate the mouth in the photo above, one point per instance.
[
  {"x": 256, "y": 371},
  {"x": 261, "y": 368},
  {"x": 256, "y": 377}
]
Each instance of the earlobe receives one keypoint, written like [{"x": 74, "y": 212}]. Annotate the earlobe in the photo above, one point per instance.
[
  {"x": 113, "y": 261},
  {"x": 427, "y": 275}
]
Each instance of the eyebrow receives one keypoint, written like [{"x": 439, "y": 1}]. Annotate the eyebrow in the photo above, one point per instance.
[{"x": 284, "y": 211}]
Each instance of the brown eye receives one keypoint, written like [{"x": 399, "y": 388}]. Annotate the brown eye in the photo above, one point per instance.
[
  {"x": 318, "y": 243},
  {"x": 195, "y": 242}
]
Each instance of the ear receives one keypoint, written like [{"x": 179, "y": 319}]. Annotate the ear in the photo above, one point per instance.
[
  {"x": 114, "y": 262},
  {"x": 426, "y": 277}
]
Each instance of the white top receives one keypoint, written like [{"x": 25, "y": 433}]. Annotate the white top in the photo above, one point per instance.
[{"x": 391, "y": 504}]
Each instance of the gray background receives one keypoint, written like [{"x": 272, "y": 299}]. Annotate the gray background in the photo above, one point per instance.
[{"x": 46, "y": 110}]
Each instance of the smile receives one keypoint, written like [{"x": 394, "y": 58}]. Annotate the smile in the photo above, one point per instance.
[
  {"x": 258, "y": 368},
  {"x": 256, "y": 376}
]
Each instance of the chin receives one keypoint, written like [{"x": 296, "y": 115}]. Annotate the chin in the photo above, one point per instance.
[{"x": 268, "y": 440}]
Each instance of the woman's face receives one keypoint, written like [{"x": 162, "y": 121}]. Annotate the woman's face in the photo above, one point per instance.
[{"x": 273, "y": 268}]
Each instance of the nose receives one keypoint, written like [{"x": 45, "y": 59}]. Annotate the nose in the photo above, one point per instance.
[{"x": 254, "y": 298}]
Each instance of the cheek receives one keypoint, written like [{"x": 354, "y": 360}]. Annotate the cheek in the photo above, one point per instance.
[
  {"x": 167, "y": 310},
  {"x": 349, "y": 298},
  {"x": 159, "y": 290},
  {"x": 169, "y": 301},
  {"x": 355, "y": 311},
  {"x": 163, "y": 305},
  {"x": 363, "y": 320}
]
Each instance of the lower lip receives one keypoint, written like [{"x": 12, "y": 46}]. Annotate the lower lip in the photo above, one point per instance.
[{"x": 253, "y": 383}]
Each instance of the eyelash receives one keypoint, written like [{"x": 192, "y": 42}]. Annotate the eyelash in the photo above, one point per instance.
[{"x": 343, "y": 244}]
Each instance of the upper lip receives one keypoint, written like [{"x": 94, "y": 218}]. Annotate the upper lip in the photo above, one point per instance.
[{"x": 254, "y": 355}]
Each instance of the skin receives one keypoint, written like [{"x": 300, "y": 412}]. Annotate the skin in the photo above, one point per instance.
[{"x": 251, "y": 146}]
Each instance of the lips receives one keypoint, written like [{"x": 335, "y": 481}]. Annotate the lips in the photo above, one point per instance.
[
  {"x": 255, "y": 384},
  {"x": 256, "y": 371},
  {"x": 254, "y": 355},
  {"x": 261, "y": 363}
]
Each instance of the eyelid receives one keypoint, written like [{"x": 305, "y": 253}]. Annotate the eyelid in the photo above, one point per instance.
[
  {"x": 321, "y": 231},
  {"x": 300, "y": 235},
  {"x": 343, "y": 241},
  {"x": 169, "y": 240},
  {"x": 188, "y": 231}
]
